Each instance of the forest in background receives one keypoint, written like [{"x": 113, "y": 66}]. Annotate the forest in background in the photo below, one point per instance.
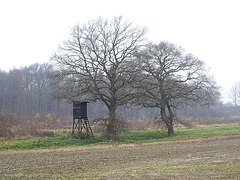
[{"x": 26, "y": 100}]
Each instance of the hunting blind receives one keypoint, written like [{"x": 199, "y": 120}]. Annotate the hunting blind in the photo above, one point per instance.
[{"x": 80, "y": 120}]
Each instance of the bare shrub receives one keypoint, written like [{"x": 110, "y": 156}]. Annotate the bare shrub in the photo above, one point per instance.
[
  {"x": 139, "y": 124},
  {"x": 12, "y": 124},
  {"x": 100, "y": 124},
  {"x": 6, "y": 122},
  {"x": 210, "y": 120},
  {"x": 158, "y": 123}
]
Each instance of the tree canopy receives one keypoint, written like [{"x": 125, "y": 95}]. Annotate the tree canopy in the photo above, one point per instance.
[
  {"x": 170, "y": 77},
  {"x": 95, "y": 64},
  {"x": 107, "y": 60}
]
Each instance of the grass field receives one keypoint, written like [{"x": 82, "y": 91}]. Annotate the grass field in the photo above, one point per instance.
[{"x": 63, "y": 141}]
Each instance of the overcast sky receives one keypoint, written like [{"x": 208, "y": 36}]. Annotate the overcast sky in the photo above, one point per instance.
[{"x": 31, "y": 30}]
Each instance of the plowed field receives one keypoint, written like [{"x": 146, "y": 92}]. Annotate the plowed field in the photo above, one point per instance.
[{"x": 201, "y": 159}]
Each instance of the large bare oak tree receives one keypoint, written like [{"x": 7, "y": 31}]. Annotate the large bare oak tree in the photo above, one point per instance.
[
  {"x": 234, "y": 94},
  {"x": 95, "y": 64},
  {"x": 170, "y": 77}
]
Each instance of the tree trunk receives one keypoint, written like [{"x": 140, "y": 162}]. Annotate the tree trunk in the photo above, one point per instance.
[
  {"x": 167, "y": 119},
  {"x": 111, "y": 128},
  {"x": 170, "y": 128},
  {"x": 170, "y": 121}
]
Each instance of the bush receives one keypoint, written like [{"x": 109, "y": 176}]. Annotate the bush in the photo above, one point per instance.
[
  {"x": 100, "y": 125},
  {"x": 12, "y": 124}
]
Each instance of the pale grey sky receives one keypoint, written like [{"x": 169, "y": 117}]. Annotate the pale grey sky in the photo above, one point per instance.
[{"x": 31, "y": 30}]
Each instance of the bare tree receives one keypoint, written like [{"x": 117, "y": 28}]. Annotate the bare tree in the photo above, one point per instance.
[
  {"x": 169, "y": 78},
  {"x": 94, "y": 64},
  {"x": 15, "y": 91},
  {"x": 3, "y": 77},
  {"x": 234, "y": 93}
]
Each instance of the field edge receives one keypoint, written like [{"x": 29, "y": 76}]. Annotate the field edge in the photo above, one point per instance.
[{"x": 116, "y": 146}]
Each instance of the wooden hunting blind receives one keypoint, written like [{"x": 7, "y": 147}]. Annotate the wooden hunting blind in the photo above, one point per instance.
[
  {"x": 80, "y": 119},
  {"x": 79, "y": 110}
]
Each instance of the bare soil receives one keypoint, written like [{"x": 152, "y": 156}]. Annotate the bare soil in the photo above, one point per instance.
[{"x": 214, "y": 158}]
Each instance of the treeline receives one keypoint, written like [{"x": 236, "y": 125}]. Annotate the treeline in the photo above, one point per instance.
[{"x": 29, "y": 90}]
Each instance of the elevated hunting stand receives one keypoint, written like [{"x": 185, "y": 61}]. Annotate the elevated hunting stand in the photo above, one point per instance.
[{"x": 80, "y": 120}]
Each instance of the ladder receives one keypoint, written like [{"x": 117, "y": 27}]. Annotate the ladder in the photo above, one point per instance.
[{"x": 88, "y": 128}]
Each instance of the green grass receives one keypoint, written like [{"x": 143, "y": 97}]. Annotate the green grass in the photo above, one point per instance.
[
  {"x": 181, "y": 134},
  {"x": 29, "y": 143},
  {"x": 33, "y": 143}
]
